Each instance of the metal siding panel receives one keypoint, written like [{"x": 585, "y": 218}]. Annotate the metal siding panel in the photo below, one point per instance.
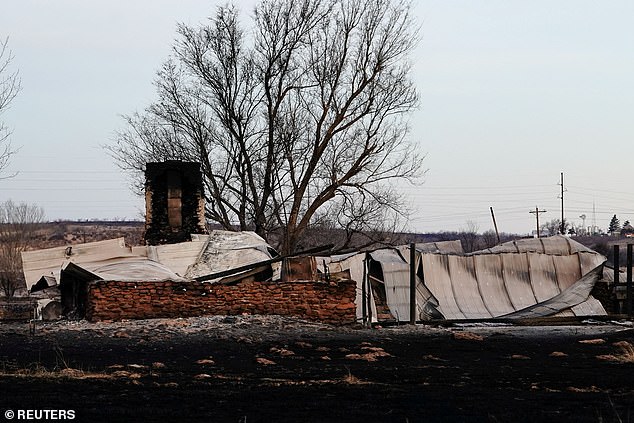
[
  {"x": 355, "y": 265},
  {"x": 589, "y": 261},
  {"x": 590, "y": 307},
  {"x": 557, "y": 245},
  {"x": 48, "y": 262},
  {"x": 572, "y": 296},
  {"x": 396, "y": 279},
  {"x": 178, "y": 257},
  {"x": 517, "y": 280},
  {"x": 436, "y": 271},
  {"x": 543, "y": 276},
  {"x": 465, "y": 288},
  {"x": 494, "y": 295},
  {"x": 530, "y": 245},
  {"x": 568, "y": 270}
]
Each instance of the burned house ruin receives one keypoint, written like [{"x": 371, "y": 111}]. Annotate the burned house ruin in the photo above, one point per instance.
[{"x": 174, "y": 202}]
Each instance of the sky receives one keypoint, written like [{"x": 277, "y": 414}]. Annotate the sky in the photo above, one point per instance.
[{"x": 513, "y": 93}]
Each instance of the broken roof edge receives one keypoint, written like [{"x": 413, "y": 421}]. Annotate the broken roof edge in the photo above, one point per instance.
[
  {"x": 553, "y": 245},
  {"x": 568, "y": 298}
]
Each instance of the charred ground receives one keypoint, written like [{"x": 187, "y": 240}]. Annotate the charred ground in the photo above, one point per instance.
[{"x": 272, "y": 369}]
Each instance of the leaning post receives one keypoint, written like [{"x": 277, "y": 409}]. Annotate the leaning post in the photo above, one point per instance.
[{"x": 412, "y": 283}]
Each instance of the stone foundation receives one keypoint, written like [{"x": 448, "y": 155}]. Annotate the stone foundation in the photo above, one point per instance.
[{"x": 321, "y": 301}]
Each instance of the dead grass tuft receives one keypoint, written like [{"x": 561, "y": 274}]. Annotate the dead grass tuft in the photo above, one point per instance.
[
  {"x": 373, "y": 354},
  {"x": 597, "y": 341},
  {"x": 350, "y": 379},
  {"x": 625, "y": 355},
  {"x": 467, "y": 336},
  {"x": 264, "y": 361},
  {"x": 283, "y": 352},
  {"x": 431, "y": 357},
  {"x": 38, "y": 371},
  {"x": 519, "y": 357}
]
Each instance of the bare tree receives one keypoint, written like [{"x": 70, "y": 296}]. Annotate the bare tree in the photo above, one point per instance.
[
  {"x": 18, "y": 226},
  {"x": 469, "y": 236},
  {"x": 9, "y": 88},
  {"x": 489, "y": 238},
  {"x": 554, "y": 227},
  {"x": 306, "y": 122}
]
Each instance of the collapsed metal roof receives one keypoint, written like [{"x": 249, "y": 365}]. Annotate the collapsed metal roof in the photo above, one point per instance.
[
  {"x": 113, "y": 260},
  {"x": 523, "y": 278}
]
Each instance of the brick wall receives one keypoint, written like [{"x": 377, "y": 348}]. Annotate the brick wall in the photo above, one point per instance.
[{"x": 113, "y": 300}]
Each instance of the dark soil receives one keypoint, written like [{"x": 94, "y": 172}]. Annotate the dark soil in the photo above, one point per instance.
[{"x": 152, "y": 371}]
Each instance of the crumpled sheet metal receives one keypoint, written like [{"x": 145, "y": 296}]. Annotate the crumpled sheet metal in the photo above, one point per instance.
[
  {"x": 557, "y": 245},
  {"x": 49, "y": 262},
  {"x": 575, "y": 296},
  {"x": 497, "y": 285},
  {"x": 397, "y": 287},
  {"x": 226, "y": 250}
]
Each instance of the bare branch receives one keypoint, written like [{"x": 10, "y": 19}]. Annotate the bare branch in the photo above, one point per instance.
[{"x": 10, "y": 85}]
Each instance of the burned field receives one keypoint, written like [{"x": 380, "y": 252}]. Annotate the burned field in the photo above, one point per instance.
[{"x": 269, "y": 368}]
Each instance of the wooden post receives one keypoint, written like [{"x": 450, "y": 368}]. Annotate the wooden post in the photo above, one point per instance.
[
  {"x": 629, "y": 280},
  {"x": 412, "y": 284},
  {"x": 617, "y": 279},
  {"x": 368, "y": 290},
  {"x": 364, "y": 301}
]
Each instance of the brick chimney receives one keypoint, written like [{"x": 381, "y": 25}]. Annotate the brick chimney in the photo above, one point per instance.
[{"x": 174, "y": 202}]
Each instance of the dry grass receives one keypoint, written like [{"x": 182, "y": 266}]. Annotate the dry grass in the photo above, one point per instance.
[
  {"x": 351, "y": 379},
  {"x": 625, "y": 354},
  {"x": 597, "y": 341},
  {"x": 468, "y": 336},
  {"x": 38, "y": 371},
  {"x": 372, "y": 354}
]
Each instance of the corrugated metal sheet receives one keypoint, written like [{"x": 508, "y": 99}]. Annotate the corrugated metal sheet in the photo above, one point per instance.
[
  {"x": 138, "y": 269},
  {"x": 494, "y": 285},
  {"x": 438, "y": 280},
  {"x": 490, "y": 277},
  {"x": 178, "y": 257},
  {"x": 111, "y": 259},
  {"x": 504, "y": 279},
  {"x": 575, "y": 297},
  {"x": 396, "y": 278},
  {"x": 557, "y": 245},
  {"x": 48, "y": 262},
  {"x": 228, "y": 250}
]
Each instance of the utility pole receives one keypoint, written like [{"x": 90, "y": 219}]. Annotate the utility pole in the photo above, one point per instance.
[
  {"x": 563, "y": 222},
  {"x": 536, "y": 212}
]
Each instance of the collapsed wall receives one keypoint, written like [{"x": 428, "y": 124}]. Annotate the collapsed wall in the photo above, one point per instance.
[{"x": 326, "y": 302}]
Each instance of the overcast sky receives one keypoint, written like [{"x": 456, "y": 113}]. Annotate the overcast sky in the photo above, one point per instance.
[{"x": 513, "y": 93}]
